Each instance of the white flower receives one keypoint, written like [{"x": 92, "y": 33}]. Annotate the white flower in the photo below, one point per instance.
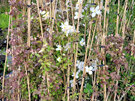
[
  {"x": 66, "y": 28},
  {"x": 95, "y": 11},
  {"x": 86, "y": 7},
  {"x": 42, "y": 12},
  {"x": 96, "y": 37},
  {"x": 89, "y": 69},
  {"x": 48, "y": 29},
  {"x": 77, "y": 63},
  {"x": 82, "y": 42},
  {"x": 59, "y": 59},
  {"x": 77, "y": 4},
  {"x": 80, "y": 1},
  {"x": 59, "y": 48},
  {"x": 68, "y": 45},
  {"x": 76, "y": 76},
  {"x": 80, "y": 65},
  {"x": 77, "y": 15},
  {"x": 46, "y": 16},
  {"x": 71, "y": 82}
]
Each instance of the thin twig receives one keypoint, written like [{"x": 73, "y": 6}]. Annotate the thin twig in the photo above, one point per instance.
[
  {"x": 40, "y": 20},
  {"x": 28, "y": 44},
  {"x": 117, "y": 25},
  {"x": 103, "y": 43}
]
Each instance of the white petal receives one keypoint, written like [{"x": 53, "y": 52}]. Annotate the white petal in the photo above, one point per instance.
[
  {"x": 75, "y": 17},
  {"x": 76, "y": 13},
  {"x": 42, "y": 12},
  {"x": 92, "y": 9},
  {"x": 90, "y": 67},
  {"x": 67, "y": 33},
  {"x": 97, "y": 8},
  {"x": 90, "y": 72},
  {"x": 98, "y": 12},
  {"x": 66, "y": 23},
  {"x": 93, "y": 14}
]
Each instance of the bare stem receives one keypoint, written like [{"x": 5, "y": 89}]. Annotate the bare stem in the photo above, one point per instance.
[
  {"x": 132, "y": 53},
  {"x": 117, "y": 25},
  {"x": 124, "y": 20},
  {"x": 103, "y": 43},
  {"x": 28, "y": 44},
  {"x": 40, "y": 20}
]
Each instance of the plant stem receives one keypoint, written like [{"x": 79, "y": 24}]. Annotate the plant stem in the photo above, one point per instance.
[
  {"x": 92, "y": 41},
  {"x": 124, "y": 20},
  {"x": 40, "y": 20},
  {"x": 74, "y": 80},
  {"x": 115, "y": 94},
  {"x": 132, "y": 50},
  {"x": 103, "y": 43},
  {"x": 28, "y": 44},
  {"x": 5, "y": 65},
  {"x": 72, "y": 10},
  {"x": 85, "y": 60}
]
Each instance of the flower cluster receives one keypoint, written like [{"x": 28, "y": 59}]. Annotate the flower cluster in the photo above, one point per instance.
[
  {"x": 89, "y": 69},
  {"x": 66, "y": 48},
  {"x": 77, "y": 4},
  {"x": 95, "y": 11},
  {"x": 77, "y": 8},
  {"x": 66, "y": 28},
  {"x": 59, "y": 48},
  {"x": 82, "y": 42},
  {"x": 45, "y": 15}
]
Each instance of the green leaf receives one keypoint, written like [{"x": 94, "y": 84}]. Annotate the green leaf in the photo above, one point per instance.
[
  {"x": 37, "y": 54},
  {"x": 47, "y": 69},
  {"x": 86, "y": 91},
  {"x": 88, "y": 86}
]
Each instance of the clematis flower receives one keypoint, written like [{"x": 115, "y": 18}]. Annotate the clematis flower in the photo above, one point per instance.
[
  {"x": 80, "y": 65},
  {"x": 77, "y": 4},
  {"x": 59, "y": 59},
  {"x": 71, "y": 82},
  {"x": 66, "y": 28},
  {"x": 46, "y": 16},
  {"x": 77, "y": 15},
  {"x": 77, "y": 63},
  {"x": 82, "y": 42},
  {"x": 42, "y": 12},
  {"x": 89, "y": 70},
  {"x": 76, "y": 76},
  {"x": 63, "y": 54},
  {"x": 59, "y": 48},
  {"x": 95, "y": 11}
]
